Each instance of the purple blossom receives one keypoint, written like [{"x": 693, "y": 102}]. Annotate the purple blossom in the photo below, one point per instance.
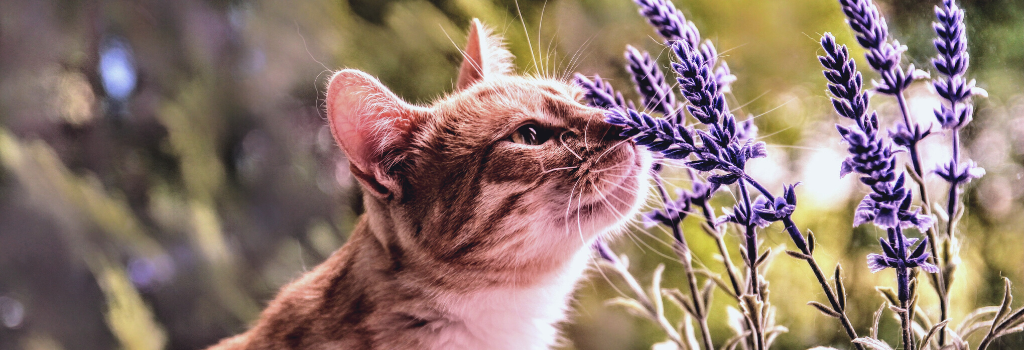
[
  {"x": 884, "y": 57},
  {"x": 960, "y": 174},
  {"x": 670, "y": 23},
  {"x": 599, "y": 93},
  {"x": 895, "y": 256},
  {"x": 672, "y": 213},
  {"x": 952, "y": 62},
  {"x": 707, "y": 103},
  {"x": 782, "y": 207},
  {"x": 655, "y": 94}
]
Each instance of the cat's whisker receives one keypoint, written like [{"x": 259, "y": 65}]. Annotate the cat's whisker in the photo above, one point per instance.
[
  {"x": 576, "y": 59},
  {"x": 605, "y": 200},
  {"x": 557, "y": 169},
  {"x": 610, "y": 148}
]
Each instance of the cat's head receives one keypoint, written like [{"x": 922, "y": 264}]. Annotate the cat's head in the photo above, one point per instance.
[{"x": 508, "y": 173}]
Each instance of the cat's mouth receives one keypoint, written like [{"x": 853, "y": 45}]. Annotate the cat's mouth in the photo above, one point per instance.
[{"x": 615, "y": 189}]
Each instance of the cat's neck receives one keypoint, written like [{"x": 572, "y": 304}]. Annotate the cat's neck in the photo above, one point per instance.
[{"x": 386, "y": 294}]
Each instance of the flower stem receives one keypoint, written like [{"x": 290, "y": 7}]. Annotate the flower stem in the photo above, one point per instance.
[
  {"x": 938, "y": 279},
  {"x": 682, "y": 251}
]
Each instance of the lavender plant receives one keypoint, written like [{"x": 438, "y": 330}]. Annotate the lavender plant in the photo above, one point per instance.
[
  {"x": 715, "y": 155},
  {"x": 715, "y": 150},
  {"x": 889, "y": 205}
]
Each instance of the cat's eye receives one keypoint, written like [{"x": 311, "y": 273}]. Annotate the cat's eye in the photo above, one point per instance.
[{"x": 531, "y": 135}]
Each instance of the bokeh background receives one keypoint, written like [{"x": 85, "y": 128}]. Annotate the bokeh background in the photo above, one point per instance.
[{"x": 164, "y": 165}]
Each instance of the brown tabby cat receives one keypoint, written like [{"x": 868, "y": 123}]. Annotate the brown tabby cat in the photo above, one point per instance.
[{"x": 480, "y": 213}]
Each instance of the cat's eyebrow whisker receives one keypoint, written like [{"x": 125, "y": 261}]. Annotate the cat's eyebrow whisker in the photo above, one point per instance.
[
  {"x": 526, "y": 33},
  {"x": 556, "y": 169},
  {"x": 461, "y": 51},
  {"x": 561, "y": 139}
]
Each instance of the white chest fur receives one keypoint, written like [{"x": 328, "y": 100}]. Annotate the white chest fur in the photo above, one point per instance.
[{"x": 512, "y": 318}]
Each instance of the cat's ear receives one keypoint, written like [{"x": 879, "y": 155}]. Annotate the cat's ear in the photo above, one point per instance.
[
  {"x": 485, "y": 56},
  {"x": 372, "y": 125}
]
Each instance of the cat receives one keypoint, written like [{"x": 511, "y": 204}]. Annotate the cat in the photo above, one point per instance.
[{"x": 481, "y": 210}]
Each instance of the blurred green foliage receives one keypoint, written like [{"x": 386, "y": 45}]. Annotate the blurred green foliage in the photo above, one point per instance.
[{"x": 168, "y": 219}]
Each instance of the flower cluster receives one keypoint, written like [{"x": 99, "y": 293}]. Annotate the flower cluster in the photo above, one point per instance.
[
  {"x": 656, "y": 95},
  {"x": 883, "y": 56},
  {"x": 895, "y": 256},
  {"x": 871, "y": 155},
  {"x": 599, "y": 93},
  {"x": 951, "y": 63}
]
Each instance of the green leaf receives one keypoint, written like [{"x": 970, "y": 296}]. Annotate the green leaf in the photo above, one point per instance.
[
  {"x": 889, "y": 295},
  {"x": 840, "y": 288},
  {"x": 825, "y": 309},
  {"x": 810, "y": 242}
]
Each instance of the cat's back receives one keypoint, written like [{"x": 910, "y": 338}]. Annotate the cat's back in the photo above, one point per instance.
[{"x": 354, "y": 300}]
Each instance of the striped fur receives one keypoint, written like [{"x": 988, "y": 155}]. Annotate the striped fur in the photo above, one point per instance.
[{"x": 469, "y": 241}]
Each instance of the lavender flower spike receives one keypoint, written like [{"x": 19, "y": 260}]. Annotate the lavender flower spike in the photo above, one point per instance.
[
  {"x": 883, "y": 56},
  {"x": 952, "y": 62},
  {"x": 599, "y": 93},
  {"x": 895, "y": 256},
  {"x": 655, "y": 94},
  {"x": 670, "y": 23}
]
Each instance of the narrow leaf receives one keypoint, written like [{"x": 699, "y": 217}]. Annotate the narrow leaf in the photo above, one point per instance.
[
  {"x": 659, "y": 304},
  {"x": 889, "y": 295},
  {"x": 634, "y": 307},
  {"x": 878, "y": 317},
  {"x": 798, "y": 255},
  {"x": 706, "y": 293},
  {"x": 840, "y": 288},
  {"x": 1004, "y": 308},
  {"x": 873, "y": 343},
  {"x": 1012, "y": 320},
  {"x": 680, "y": 299},
  {"x": 924, "y": 341},
  {"x": 810, "y": 241},
  {"x": 825, "y": 309},
  {"x": 763, "y": 257}
]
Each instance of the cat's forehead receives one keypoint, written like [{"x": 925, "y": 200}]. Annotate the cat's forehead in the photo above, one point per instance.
[{"x": 512, "y": 95}]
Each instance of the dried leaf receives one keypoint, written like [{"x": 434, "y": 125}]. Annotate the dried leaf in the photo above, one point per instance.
[
  {"x": 924, "y": 341},
  {"x": 878, "y": 317},
  {"x": 873, "y": 343},
  {"x": 632, "y": 306},
  {"x": 659, "y": 304}
]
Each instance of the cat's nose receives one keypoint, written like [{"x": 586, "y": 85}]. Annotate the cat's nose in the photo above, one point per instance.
[{"x": 614, "y": 133}]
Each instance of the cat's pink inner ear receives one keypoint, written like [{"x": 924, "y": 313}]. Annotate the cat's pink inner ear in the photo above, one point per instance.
[
  {"x": 367, "y": 120},
  {"x": 485, "y": 56}
]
